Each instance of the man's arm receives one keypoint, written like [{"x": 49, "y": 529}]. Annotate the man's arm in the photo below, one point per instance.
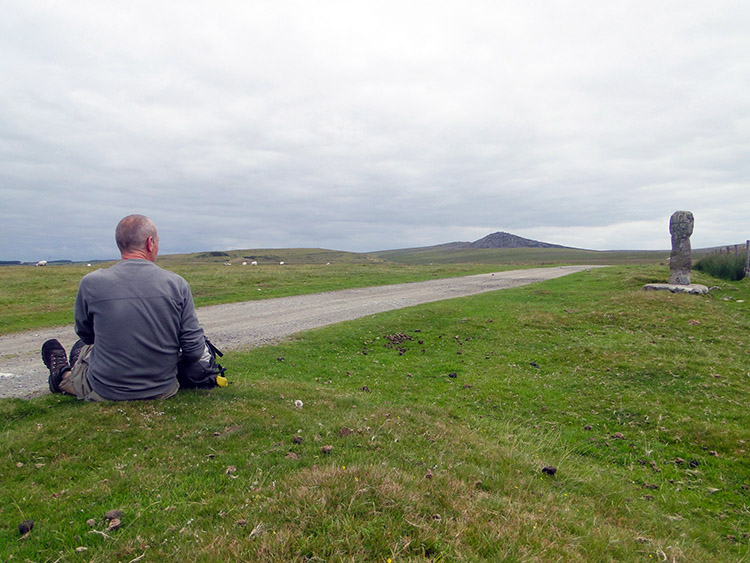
[
  {"x": 84, "y": 325},
  {"x": 192, "y": 340}
]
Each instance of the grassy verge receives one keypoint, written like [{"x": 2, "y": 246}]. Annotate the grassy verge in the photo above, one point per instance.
[{"x": 441, "y": 418}]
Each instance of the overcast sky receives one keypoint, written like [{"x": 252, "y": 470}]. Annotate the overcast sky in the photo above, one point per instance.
[{"x": 364, "y": 126}]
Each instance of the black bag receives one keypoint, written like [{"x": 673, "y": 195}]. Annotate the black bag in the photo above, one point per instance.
[{"x": 204, "y": 373}]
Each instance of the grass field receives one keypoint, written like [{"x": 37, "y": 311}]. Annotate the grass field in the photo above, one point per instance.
[
  {"x": 422, "y": 437},
  {"x": 457, "y": 254},
  {"x": 449, "y": 254},
  {"x": 38, "y": 297}
]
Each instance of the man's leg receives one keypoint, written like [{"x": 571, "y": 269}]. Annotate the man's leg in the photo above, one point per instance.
[
  {"x": 74, "y": 382},
  {"x": 75, "y": 351},
  {"x": 70, "y": 378}
]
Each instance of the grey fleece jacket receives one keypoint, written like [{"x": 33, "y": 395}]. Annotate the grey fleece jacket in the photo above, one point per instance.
[{"x": 139, "y": 317}]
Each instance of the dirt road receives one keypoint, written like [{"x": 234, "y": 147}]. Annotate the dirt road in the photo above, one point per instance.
[{"x": 256, "y": 323}]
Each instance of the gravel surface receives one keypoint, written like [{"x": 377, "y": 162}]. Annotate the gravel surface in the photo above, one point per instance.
[{"x": 257, "y": 323}]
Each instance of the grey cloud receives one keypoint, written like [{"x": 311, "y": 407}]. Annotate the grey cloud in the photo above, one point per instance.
[{"x": 361, "y": 127}]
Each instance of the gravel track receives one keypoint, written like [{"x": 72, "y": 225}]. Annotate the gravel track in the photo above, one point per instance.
[{"x": 257, "y": 323}]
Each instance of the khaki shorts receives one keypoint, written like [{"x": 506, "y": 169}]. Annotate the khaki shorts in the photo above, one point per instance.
[{"x": 76, "y": 383}]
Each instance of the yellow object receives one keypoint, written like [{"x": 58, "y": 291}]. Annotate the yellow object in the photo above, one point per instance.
[{"x": 221, "y": 381}]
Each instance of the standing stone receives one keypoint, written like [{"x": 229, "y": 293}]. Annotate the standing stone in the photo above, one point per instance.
[{"x": 680, "y": 261}]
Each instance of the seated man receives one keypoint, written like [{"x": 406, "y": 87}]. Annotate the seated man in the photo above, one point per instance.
[{"x": 135, "y": 321}]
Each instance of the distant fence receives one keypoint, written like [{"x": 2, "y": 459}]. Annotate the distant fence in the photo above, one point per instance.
[
  {"x": 737, "y": 251},
  {"x": 733, "y": 249},
  {"x": 747, "y": 255}
]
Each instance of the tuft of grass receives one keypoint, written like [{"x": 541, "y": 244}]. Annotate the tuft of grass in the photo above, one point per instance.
[
  {"x": 724, "y": 266},
  {"x": 441, "y": 418}
]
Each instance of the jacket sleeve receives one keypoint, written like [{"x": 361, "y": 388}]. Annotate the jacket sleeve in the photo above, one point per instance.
[
  {"x": 192, "y": 340},
  {"x": 84, "y": 322}
]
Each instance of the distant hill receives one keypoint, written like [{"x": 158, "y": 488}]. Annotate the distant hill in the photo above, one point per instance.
[
  {"x": 509, "y": 249},
  {"x": 507, "y": 240}
]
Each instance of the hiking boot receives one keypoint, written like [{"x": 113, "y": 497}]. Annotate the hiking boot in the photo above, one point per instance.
[
  {"x": 75, "y": 351},
  {"x": 56, "y": 360}
]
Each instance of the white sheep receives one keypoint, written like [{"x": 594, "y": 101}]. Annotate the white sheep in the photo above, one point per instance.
[
  {"x": 254, "y": 263},
  {"x": 41, "y": 263}
]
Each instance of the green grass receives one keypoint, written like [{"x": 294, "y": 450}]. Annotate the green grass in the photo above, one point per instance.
[{"x": 639, "y": 399}]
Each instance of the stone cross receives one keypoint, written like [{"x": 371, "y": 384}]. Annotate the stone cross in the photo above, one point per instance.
[{"x": 680, "y": 261}]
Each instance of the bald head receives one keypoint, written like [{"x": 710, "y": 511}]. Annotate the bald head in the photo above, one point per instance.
[{"x": 136, "y": 234}]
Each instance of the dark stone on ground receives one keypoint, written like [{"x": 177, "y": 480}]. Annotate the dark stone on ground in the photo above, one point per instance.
[{"x": 112, "y": 514}]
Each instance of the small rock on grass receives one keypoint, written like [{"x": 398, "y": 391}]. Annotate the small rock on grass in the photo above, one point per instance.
[
  {"x": 112, "y": 514},
  {"x": 326, "y": 449},
  {"x": 345, "y": 431},
  {"x": 549, "y": 470},
  {"x": 25, "y": 527},
  {"x": 297, "y": 439}
]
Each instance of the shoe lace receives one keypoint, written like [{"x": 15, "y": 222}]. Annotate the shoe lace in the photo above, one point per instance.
[{"x": 58, "y": 360}]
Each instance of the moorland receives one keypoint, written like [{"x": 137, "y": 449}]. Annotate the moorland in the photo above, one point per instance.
[{"x": 577, "y": 419}]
